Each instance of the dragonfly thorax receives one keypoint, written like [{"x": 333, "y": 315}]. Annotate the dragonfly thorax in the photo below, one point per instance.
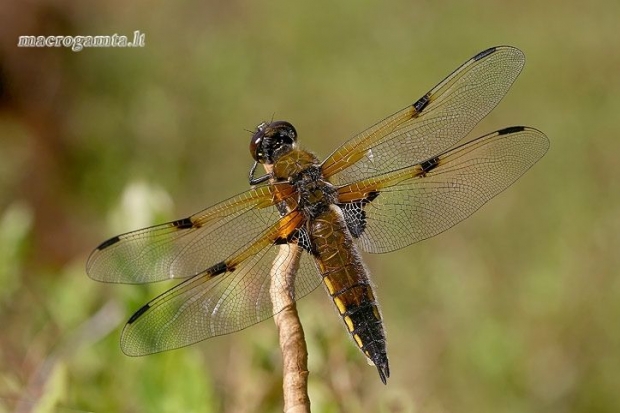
[{"x": 314, "y": 192}]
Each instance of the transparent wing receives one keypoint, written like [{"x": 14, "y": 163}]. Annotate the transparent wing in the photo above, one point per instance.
[
  {"x": 399, "y": 208},
  {"x": 212, "y": 304},
  {"x": 433, "y": 123},
  {"x": 188, "y": 246}
]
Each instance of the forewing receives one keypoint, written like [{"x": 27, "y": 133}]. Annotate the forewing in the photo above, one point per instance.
[
  {"x": 213, "y": 304},
  {"x": 188, "y": 246},
  {"x": 434, "y": 123},
  {"x": 399, "y": 208}
]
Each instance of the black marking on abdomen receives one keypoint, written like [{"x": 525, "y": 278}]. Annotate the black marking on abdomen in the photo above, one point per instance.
[
  {"x": 421, "y": 103},
  {"x": 351, "y": 310},
  {"x": 485, "y": 53},
  {"x": 369, "y": 336},
  {"x": 111, "y": 241},
  {"x": 429, "y": 164},
  {"x": 362, "y": 283},
  {"x": 511, "y": 129},
  {"x": 184, "y": 223},
  {"x": 366, "y": 324},
  {"x": 138, "y": 313}
]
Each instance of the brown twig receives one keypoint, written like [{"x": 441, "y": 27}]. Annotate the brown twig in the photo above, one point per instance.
[{"x": 291, "y": 333}]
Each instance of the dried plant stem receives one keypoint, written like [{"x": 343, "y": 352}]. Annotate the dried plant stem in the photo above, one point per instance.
[{"x": 291, "y": 333}]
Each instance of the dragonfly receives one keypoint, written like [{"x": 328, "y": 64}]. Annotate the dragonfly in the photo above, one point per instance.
[{"x": 401, "y": 181}]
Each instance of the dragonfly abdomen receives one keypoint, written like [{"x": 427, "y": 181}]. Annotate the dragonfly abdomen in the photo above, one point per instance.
[{"x": 348, "y": 282}]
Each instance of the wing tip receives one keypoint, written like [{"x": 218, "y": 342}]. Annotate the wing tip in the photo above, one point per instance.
[
  {"x": 544, "y": 139},
  {"x": 515, "y": 51},
  {"x": 485, "y": 53}
]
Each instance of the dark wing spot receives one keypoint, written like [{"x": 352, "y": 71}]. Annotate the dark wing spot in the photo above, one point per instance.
[
  {"x": 485, "y": 53},
  {"x": 371, "y": 197},
  {"x": 184, "y": 223},
  {"x": 354, "y": 214},
  {"x": 138, "y": 313},
  {"x": 510, "y": 129},
  {"x": 422, "y": 103},
  {"x": 355, "y": 217},
  {"x": 218, "y": 269},
  {"x": 111, "y": 241},
  {"x": 429, "y": 164},
  {"x": 280, "y": 241},
  {"x": 300, "y": 237}
]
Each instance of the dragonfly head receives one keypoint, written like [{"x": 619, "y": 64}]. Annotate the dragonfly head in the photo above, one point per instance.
[{"x": 272, "y": 140}]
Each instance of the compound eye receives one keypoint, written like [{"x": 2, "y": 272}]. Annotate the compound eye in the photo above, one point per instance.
[{"x": 255, "y": 145}]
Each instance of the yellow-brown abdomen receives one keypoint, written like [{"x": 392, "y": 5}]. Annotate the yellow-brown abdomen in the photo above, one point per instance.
[{"x": 348, "y": 282}]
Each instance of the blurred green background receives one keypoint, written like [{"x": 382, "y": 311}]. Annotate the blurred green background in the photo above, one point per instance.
[{"x": 514, "y": 310}]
